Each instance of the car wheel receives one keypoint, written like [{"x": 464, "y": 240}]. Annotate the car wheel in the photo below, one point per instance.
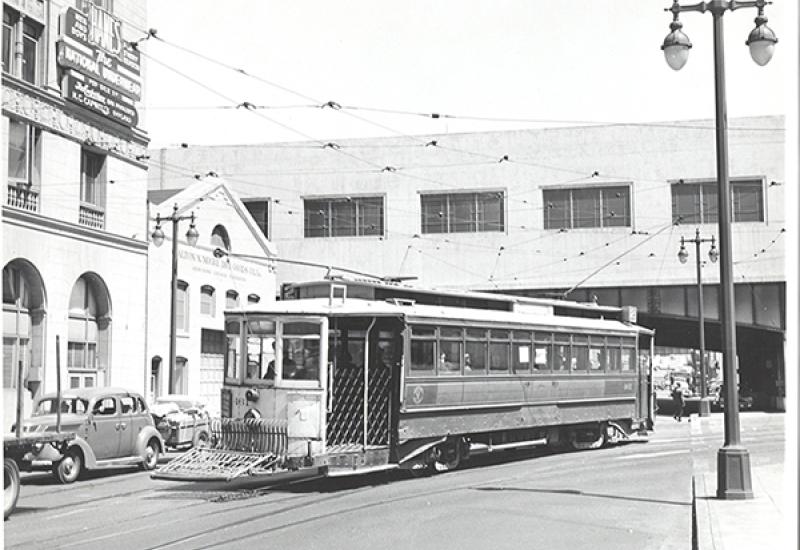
[
  {"x": 11, "y": 485},
  {"x": 151, "y": 454},
  {"x": 68, "y": 468},
  {"x": 200, "y": 439}
]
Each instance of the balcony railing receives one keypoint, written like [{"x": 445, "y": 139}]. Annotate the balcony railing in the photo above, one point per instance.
[
  {"x": 92, "y": 216},
  {"x": 23, "y": 197}
]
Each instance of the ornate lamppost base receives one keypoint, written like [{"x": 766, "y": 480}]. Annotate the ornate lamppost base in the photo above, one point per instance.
[{"x": 733, "y": 474}]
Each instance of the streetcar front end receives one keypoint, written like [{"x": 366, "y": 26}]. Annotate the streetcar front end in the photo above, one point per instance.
[{"x": 272, "y": 401}]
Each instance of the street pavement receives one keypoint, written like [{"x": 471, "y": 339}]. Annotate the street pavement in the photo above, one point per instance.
[{"x": 633, "y": 496}]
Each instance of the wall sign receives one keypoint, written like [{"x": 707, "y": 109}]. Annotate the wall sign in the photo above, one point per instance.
[
  {"x": 99, "y": 98},
  {"x": 103, "y": 69}
]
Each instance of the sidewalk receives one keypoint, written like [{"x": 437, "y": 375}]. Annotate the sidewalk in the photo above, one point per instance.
[{"x": 760, "y": 522}]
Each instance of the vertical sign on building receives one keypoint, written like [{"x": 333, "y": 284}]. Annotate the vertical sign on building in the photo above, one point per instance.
[{"x": 101, "y": 71}]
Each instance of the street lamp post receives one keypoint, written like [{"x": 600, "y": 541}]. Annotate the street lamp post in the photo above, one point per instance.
[
  {"x": 713, "y": 255},
  {"x": 733, "y": 460},
  {"x": 158, "y": 239}
]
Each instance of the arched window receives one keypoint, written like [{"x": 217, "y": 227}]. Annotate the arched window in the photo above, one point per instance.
[
  {"x": 89, "y": 333},
  {"x": 23, "y": 330},
  {"x": 182, "y": 307},
  {"x": 219, "y": 238},
  {"x": 208, "y": 297},
  {"x": 253, "y": 298},
  {"x": 231, "y": 299}
]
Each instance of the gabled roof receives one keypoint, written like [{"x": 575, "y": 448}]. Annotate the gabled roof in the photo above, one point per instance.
[{"x": 207, "y": 187}]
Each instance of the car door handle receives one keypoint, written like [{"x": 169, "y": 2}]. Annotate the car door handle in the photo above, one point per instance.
[{"x": 122, "y": 425}]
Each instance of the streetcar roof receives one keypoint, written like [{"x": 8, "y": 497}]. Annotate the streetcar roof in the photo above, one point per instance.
[{"x": 413, "y": 312}]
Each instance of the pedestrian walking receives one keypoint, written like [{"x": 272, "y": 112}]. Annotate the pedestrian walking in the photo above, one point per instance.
[{"x": 677, "y": 400}]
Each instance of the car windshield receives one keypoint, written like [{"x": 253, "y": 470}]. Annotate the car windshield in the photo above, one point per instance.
[{"x": 68, "y": 405}]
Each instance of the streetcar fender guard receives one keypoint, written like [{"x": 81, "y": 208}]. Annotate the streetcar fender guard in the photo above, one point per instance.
[{"x": 416, "y": 447}]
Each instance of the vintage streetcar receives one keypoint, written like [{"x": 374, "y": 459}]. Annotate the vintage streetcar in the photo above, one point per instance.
[{"x": 345, "y": 377}]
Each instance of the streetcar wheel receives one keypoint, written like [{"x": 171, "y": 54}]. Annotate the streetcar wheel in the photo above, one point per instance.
[
  {"x": 584, "y": 443},
  {"x": 11, "y": 486},
  {"x": 448, "y": 456},
  {"x": 68, "y": 468},
  {"x": 151, "y": 453}
]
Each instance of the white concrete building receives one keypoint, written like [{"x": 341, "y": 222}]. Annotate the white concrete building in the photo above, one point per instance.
[
  {"x": 596, "y": 213},
  {"x": 206, "y": 286},
  {"x": 74, "y": 218}
]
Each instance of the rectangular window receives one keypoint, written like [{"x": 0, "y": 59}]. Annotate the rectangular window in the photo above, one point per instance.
[
  {"x": 344, "y": 217},
  {"x": 697, "y": 202},
  {"x": 560, "y": 360},
  {"x": 207, "y": 301},
  {"x": 580, "y": 352},
  {"x": 24, "y": 153},
  {"x": 587, "y": 207},
  {"x": 182, "y": 307},
  {"x": 93, "y": 176},
  {"x": 423, "y": 349},
  {"x": 543, "y": 345},
  {"x": 475, "y": 354},
  {"x": 20, "y": 46},
  {"x": 463, "y": 212},
  {"x": 260, "y": 211}
]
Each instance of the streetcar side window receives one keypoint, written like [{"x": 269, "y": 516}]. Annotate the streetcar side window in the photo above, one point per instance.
[
  {"x": 521, "y": 352},
  {"x": 451, "y": 343},
  {"x": 580, "y": 352},
  {"x": 423, "y": 349},
  {"x": 614, "y": 354},
  {"x": 499, "y": 347},
  {"x": 542, "y": 360},
  {"x": 561, "y": 358},
  {"x": 475, "y": 352},
  {"x": 628, "y": 354},
  {"x": 232, "y": 333},
  {"x": 597, "y": 353}
]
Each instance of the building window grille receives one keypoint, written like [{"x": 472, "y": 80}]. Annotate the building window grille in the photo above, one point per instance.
[
  {"x": 344, "y": 217},
  {"x": 21, "y": 37},
  {"x": 587, "y": 207},
  {"x": 463, "y": 212},
  {"x": 696, "y": 202}
]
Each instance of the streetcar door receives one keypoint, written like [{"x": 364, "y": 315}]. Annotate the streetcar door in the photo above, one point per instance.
[{"x": 362, "y": 383}]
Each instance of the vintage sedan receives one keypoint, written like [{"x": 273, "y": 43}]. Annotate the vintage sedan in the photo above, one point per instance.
[
  {"x": 181, "y": 420},
  {"x": 113, "y": 428}
]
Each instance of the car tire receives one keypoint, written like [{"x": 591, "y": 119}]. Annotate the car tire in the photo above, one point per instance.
[
  {"x": 68, "y": 468},
  {"x": 11, "y": 486},
  {"x": 201, "y": 439},
  {"x": 151, "y": 453}
]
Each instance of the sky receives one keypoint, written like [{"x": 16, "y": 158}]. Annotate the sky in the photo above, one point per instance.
[{"x": 538, "y": 63}]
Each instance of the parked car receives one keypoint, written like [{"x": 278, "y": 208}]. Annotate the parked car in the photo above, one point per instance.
[
  {"x": 717, "y": 395},
  {"x": 181, "y": 420},
  {"x": 113, "y": 427}
]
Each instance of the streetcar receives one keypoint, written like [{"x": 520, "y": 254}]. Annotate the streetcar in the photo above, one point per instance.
[{"x": 346, "y": 377}]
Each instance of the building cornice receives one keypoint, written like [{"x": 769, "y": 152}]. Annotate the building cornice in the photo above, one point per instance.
[
  {"x": 50, "y": 112},
  {"x": 37, "y": 222}
]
